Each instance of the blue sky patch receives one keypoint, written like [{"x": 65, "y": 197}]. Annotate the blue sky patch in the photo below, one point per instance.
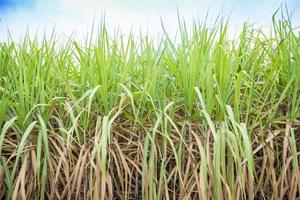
[{"x": 11, "y": 4}]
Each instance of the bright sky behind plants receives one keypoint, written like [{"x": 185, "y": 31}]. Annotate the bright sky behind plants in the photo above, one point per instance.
[{"x": 77, "y": 15}]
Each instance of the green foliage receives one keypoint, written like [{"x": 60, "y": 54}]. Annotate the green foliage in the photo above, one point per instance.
[{"x": 204, "y": 117}]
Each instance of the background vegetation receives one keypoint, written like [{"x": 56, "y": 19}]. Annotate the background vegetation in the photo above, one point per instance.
[{"x": 125, "y": 118}]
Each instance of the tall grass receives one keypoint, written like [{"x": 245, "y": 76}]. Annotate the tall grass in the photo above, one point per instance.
[{"x": 124, "y": 118}]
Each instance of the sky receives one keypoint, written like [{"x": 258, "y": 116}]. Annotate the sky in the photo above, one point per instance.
[{"x": 77, "y": 16}]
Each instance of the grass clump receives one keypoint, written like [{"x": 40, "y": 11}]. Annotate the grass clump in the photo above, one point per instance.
[{"x": 119, "y": 118}]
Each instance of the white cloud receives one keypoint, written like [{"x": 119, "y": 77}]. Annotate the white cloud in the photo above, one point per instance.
[{"x": 69, "y": 15}]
